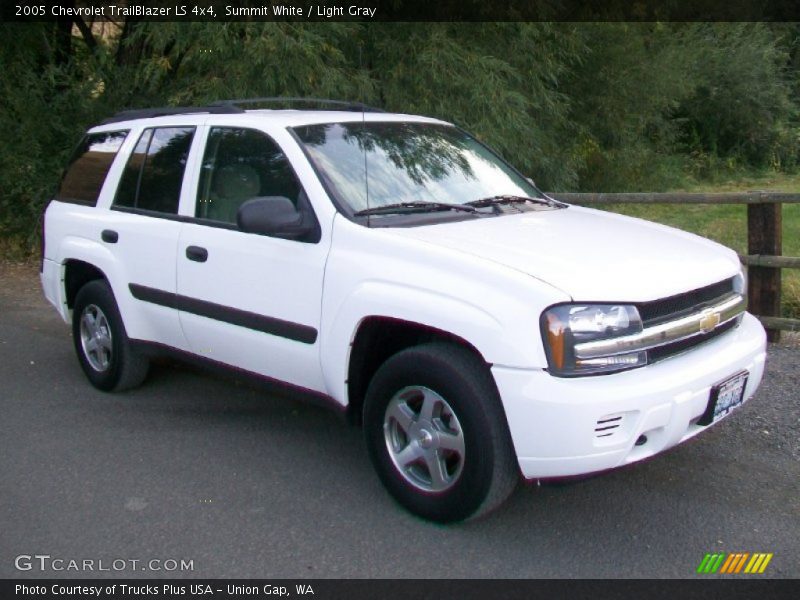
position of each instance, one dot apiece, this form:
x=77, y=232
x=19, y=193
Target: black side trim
x=267, y=384
x=207, y=222
x=78, y=201
x=169, y=216
x=242, y=318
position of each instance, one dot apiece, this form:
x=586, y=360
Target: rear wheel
x=437, y=434
x=104, y=351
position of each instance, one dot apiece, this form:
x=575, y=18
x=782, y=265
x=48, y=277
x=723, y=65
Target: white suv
x=397, y=269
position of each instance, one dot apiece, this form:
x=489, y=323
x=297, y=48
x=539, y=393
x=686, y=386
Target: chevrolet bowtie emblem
x=709, y=320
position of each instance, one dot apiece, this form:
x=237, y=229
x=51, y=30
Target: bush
x=589, y=106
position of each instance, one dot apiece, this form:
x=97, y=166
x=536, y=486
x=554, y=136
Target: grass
x=727, y=224
x=17, y=248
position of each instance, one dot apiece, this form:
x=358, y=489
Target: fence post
x=764, y=236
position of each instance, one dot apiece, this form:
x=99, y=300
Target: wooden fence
x=764, y=257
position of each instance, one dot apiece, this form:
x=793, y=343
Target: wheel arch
x=411, y=314
x=376, y=339
x=82, y=260
x=78, y=273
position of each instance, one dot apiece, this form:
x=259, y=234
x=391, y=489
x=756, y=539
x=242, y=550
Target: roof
x=283, y=117
x=231, y=111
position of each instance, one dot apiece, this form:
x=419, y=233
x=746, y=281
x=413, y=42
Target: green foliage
x=659, y=102
x=498, y=80
x=589, y=106
x=46, y=106
x=625, y=92
x=741, y=107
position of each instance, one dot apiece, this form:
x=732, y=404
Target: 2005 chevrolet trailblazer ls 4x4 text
x=394, y=266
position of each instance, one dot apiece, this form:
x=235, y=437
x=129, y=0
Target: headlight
x=566, y=325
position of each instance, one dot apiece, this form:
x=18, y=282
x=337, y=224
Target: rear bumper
x=553, y=421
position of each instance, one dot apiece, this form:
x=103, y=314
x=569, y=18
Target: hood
x=591, y=255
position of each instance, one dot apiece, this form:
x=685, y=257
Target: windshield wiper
x=510, y=199
x=409, y=207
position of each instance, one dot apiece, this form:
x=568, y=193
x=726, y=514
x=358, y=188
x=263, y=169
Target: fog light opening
x=642, y=440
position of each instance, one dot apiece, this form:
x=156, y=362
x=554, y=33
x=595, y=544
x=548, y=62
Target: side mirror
x=275, y=216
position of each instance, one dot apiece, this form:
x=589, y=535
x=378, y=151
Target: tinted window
x=240, y=164
x=154, y=173
x=129, y=182
x=89, y=166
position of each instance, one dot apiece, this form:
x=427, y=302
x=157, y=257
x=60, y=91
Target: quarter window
x=153, y=176
x=89, y=166
x=239, y=165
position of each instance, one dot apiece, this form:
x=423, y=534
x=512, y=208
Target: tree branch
x=86, y=33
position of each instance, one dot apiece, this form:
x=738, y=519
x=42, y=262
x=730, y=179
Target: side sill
x=263, y=383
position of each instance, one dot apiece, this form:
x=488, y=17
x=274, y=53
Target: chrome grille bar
x=704, y=321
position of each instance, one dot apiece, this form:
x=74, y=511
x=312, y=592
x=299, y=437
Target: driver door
x=250, y=300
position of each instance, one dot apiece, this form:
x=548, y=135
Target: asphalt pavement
x=204, y=469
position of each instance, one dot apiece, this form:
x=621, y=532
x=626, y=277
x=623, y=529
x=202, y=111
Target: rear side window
x=89, y=166
x=153, y=176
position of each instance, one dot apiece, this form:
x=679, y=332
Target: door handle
x=109, y=236
x=196, y=253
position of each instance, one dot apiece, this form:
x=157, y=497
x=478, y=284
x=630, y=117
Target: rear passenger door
x=144, y=228
x=250, y=300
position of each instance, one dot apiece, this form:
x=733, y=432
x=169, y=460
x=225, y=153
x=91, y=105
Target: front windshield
x=376, y=164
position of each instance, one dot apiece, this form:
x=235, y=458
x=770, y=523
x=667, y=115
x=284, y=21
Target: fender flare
x=418, y=306
x=90, y=252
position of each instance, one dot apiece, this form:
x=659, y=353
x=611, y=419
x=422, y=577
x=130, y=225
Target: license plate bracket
x=724, y=397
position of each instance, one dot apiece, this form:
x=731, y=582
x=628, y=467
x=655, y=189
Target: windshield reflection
x=374, y=164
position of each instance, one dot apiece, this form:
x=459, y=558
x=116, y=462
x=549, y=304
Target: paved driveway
x=200, y=468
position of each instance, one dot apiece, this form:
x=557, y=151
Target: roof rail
x=333, y=104
x=145, y=113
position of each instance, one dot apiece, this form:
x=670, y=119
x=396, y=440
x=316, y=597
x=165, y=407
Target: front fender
x=457, y=316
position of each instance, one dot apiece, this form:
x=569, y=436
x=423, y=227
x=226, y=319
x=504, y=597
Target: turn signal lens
x=555, y=335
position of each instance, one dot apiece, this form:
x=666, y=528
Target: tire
x=437, y=434
x=104, y=351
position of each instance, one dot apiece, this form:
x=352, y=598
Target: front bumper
x=563, y=427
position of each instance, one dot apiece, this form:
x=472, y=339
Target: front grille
x=662, y=352
x=680, y=305
x=674, y=307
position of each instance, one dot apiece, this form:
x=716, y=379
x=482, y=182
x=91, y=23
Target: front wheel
x=437, y=434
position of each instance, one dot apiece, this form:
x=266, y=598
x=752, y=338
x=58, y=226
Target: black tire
x=488, y=472
x=123, y=367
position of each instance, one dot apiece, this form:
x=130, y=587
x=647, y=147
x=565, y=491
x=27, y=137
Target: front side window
x=89, y=166
x=154, y=174
x=240, y=165
x=368, y=165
